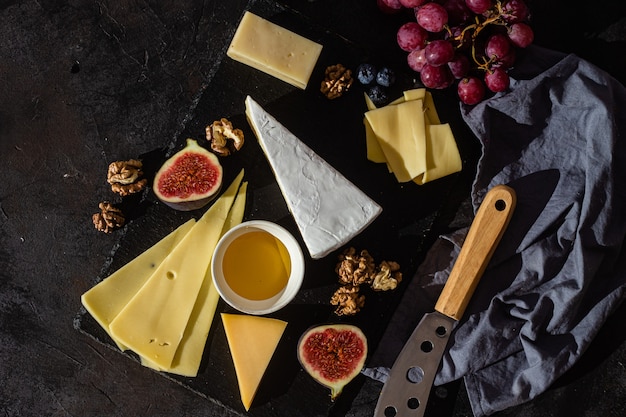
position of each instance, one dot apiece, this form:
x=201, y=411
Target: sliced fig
x=190, y=179
x=333, y=354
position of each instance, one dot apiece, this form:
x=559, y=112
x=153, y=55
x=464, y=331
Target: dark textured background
x=83, y=83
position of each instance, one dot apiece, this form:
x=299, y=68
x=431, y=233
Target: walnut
x=387, y=277
x=337, y=81
x=109, y=218
x=355, y=269
x=223, y=138
x=125, y=177
x=348, y=300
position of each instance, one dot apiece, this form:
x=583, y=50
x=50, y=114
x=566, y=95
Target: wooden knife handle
x=482, y=239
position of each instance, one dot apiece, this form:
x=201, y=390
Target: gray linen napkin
x=559, y=139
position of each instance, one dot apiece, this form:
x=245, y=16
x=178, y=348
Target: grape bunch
x=470, y=43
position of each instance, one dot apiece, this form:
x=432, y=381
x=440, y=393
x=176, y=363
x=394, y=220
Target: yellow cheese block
x=106, y=299
x=400, y=130
x=154, y=320
x=252, y=341
x=188, y=356
x=274, y=50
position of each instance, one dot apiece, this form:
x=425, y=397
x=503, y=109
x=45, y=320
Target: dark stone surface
x=84, y=83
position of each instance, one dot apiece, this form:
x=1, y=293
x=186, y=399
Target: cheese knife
x=406, y=391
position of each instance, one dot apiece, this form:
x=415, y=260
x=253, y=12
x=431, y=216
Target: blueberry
x=385, y=77
x=366, y=73
x=378, y=95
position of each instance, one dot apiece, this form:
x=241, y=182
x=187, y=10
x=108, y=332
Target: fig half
x=333, y=354
x=190, y=179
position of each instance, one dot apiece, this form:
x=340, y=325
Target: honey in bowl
x=256, y=265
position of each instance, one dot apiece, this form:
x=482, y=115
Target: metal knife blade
x=406, y=391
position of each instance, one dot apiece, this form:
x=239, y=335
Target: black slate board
x=334, y=129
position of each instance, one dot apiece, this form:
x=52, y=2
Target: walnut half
x=223, y=137
x=109, y=218
x=337, y=80
x=387, y=277
x=348, y=300
x=125, y=177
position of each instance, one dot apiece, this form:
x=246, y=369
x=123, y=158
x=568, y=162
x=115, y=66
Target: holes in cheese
x=274, y=50
x=408, y=136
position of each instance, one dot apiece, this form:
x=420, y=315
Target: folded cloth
x=559, y=139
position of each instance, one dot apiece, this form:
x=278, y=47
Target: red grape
x=479, y=6
x=498, y=46
x=515, y=11
x=389, y=6
x=459, y=66
x=521, y=35
x=416, y=59
x=471, y=90
x=432, y=17
x=411, y=36
x=506, y=61
x=439, y=52
x=497, y=80
x=436, y=77
x=458, y=12
x=409, y=4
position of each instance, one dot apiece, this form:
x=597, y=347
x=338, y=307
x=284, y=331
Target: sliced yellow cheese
x=154, y=320
x=188, y=356
x=400, y=130
x=252, y=341
x=274, y=50
x=106, y=299
x=442, y=155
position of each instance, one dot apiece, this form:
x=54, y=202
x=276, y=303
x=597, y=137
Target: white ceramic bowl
x=283, y=297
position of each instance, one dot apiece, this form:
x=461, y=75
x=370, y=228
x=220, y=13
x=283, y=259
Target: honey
x=256, y=265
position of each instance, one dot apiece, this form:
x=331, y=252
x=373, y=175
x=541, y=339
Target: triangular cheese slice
x=328, y=209
x=106, y=299
x=252, y=341
x=188, y=356
x=165, y=302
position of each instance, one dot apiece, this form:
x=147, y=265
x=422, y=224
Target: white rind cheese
x=328, y=209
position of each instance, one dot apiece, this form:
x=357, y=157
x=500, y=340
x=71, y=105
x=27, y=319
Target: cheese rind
x=328, y=209
x=106, y=299
x=154, y=320
x=252, y=341
x=274, y=50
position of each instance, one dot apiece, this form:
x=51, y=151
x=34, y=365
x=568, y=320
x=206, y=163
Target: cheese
x=442, y=155
x=274, y=50
x=106, y=299
x=154, y=320
x=328, y=209
x=400, y=130
x=408, y=136
x=188, y=356
x=252, y=341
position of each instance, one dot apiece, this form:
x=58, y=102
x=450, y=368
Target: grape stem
x=495, y=18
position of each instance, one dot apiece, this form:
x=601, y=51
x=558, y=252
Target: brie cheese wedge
x=328, y=209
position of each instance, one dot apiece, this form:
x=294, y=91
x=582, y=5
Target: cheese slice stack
x=328, y=209
x=166, y=293
x=408, y=136
x=252, y=341
x=274, y=50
